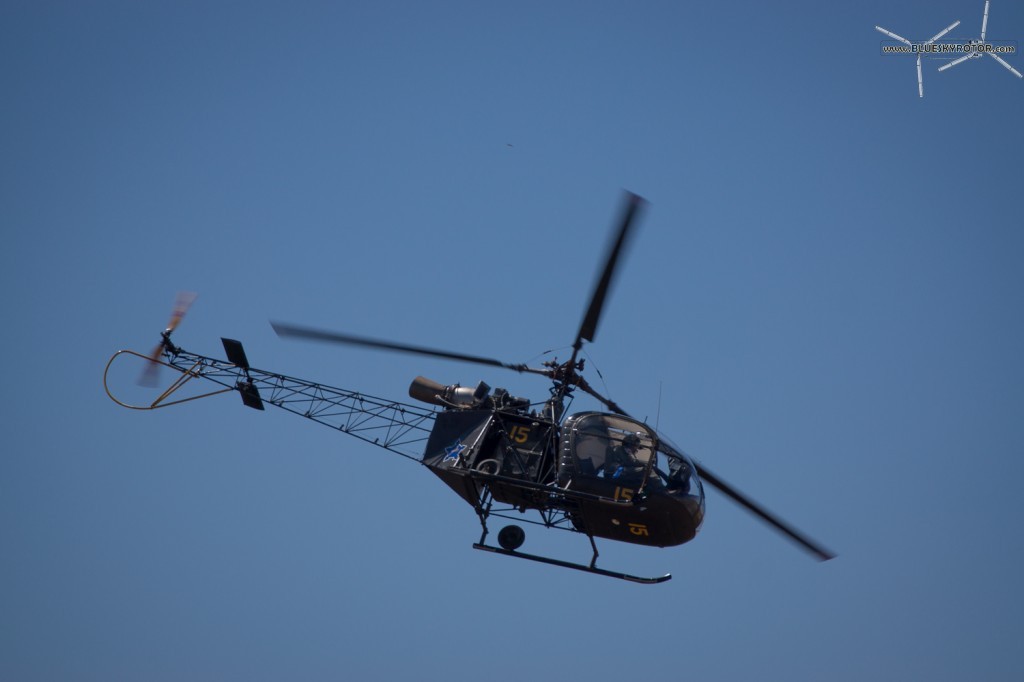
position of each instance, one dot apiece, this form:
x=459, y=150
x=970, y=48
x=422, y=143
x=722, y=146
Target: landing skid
x=568, y=564
x=511, y=538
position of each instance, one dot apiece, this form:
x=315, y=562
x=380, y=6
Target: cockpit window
x=677, y=471
x=613, y=448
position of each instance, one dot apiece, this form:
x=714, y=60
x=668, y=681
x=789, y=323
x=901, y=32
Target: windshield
x=611, y=447
x=678, y=474
x=622, y=460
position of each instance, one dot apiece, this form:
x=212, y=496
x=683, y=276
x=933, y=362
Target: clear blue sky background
x=826, y=291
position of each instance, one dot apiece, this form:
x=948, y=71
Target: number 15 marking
x=519, y=433
x=638, y=529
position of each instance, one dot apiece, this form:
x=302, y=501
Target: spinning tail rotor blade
x=151, y=372
x=817, y=550
x=999, y=59
x=181, y=305
x=293, y=331
x=588, y=328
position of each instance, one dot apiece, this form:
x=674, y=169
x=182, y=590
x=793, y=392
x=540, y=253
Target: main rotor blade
x=954, y=62
x=751, y=506
x=984, y=22
x=999, y=59
x=288, y=330
x=584, y=386
x=588, y=328
x=735, y=495
x=920, y=81
x=943, y=32
x=893, y=35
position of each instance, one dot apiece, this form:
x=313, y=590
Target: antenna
x=657, y=417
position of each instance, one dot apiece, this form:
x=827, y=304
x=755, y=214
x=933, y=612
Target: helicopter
x=603, y=474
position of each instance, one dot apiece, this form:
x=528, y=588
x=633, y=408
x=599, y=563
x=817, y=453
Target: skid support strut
x=483, y=511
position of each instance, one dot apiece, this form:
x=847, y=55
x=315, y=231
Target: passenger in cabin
x=621, y=463
x=679, y=476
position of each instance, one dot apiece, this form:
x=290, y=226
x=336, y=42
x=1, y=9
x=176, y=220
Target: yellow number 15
x=519, y=433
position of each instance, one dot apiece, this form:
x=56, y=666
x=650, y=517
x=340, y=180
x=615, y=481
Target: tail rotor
x=152, y=370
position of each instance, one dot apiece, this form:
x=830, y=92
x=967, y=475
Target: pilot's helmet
x=631, y=442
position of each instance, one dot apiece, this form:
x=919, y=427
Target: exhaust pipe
x=429, y=391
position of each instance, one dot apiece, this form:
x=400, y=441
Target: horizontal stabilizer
x=250, y=394
x=235, y=352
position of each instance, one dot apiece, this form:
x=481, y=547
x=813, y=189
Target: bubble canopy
x=623, y=460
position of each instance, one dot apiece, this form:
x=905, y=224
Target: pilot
x=679, y=476
x=621, y=464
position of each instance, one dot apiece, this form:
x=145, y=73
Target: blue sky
x=825, y=293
